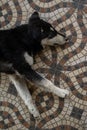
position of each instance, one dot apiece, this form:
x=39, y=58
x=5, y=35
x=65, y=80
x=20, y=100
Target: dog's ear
x=34, y=16
x=34, y=25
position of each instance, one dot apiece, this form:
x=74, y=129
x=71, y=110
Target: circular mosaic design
x=65, y=66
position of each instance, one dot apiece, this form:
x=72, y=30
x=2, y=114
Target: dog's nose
x=66, y=39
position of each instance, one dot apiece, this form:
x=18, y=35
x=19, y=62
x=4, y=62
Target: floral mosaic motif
x=65, y=66
x=10, y=14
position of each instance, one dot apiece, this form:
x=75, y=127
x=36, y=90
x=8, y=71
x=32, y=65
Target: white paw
x=38, y=118
x=36, y=114
x=63, y=93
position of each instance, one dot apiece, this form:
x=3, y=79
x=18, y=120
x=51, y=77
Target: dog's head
x=44, y=32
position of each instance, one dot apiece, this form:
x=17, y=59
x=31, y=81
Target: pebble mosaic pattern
x=65, y=66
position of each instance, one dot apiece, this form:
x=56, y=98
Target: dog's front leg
x=50, y=87
x=24, y=93
x=26, y=70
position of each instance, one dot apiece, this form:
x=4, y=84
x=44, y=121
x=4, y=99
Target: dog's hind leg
x=25, y=69
x=24, y=93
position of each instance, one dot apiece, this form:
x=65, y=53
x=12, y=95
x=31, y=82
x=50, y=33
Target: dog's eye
x=51, y=35
x=53, y=30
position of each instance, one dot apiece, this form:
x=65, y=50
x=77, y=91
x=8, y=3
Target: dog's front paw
x=63, y=93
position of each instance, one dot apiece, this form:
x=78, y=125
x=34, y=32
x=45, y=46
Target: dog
x=18, y=47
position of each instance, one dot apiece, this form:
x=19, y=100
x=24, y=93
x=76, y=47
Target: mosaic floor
x=65, y=66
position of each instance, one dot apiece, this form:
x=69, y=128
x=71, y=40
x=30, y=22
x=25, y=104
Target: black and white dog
x=18, y=46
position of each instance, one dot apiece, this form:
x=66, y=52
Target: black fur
x=25, y=38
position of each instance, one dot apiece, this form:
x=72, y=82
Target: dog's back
x=30, y=38
x=11, y=43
